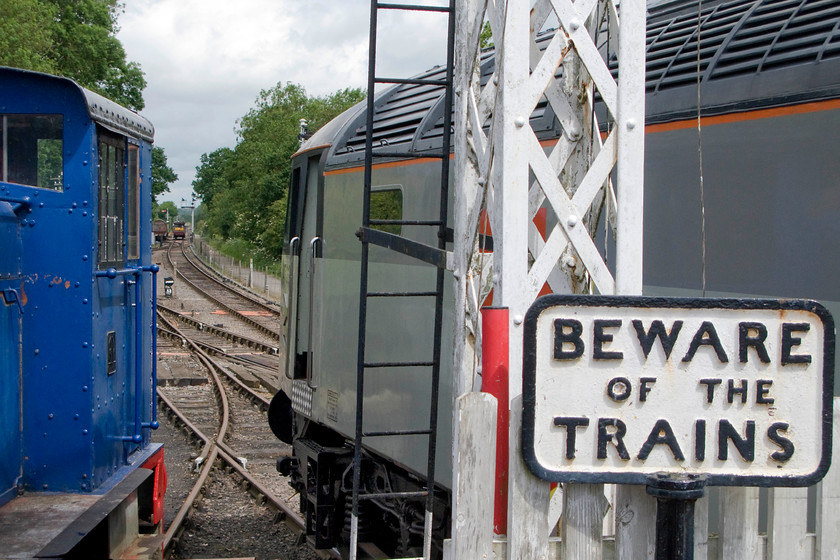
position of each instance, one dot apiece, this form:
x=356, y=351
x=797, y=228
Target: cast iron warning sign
x=616, y=389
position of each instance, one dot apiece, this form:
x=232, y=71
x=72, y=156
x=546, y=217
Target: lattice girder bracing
x=503, y=168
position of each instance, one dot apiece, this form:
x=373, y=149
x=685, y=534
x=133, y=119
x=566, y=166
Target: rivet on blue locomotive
x=76, y=323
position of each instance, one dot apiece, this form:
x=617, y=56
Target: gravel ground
x=229, y=524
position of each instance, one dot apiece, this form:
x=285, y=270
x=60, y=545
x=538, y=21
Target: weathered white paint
x=472, y=527
x=495, y=171
x=787, y=513
x=738, y=520
x=828, y=505
x=701, y=528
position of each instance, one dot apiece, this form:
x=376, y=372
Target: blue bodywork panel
x=10, y=287
x=79, y=404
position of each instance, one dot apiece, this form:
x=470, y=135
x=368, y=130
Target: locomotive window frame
x=132, y=197
x=112, y=178
x=32, y=150
x=383, y=209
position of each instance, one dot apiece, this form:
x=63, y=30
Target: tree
x=210, y=175
x=26, y=28
x=166, y=210
x=74, y=38
x=245, y=188
x=486, y=36
x=162, y=174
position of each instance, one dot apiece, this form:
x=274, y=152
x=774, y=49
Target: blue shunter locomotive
x=79, y=476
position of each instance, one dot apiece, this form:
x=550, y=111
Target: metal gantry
x=433, y=256
x=501, y=166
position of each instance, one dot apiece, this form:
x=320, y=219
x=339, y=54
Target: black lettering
x=605, y=437
x=599, y=337
x=661, y=433
x=745, y=340
x=706, y=335
x=710, y=388
x=745, y=445
x=733, y=390
x=783, y=442
x=788, y=342
x=700, y=440
x=657, y=329
x=762, y=388
x=643, y=387
x=571, y=424
x=619, y=389
x=561, y=338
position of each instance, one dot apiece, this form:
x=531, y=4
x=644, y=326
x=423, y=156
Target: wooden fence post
x=473, y=527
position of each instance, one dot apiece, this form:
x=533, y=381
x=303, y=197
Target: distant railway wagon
x=79, y=475
x=179, y=230
x=769, y=75
x=160, y=230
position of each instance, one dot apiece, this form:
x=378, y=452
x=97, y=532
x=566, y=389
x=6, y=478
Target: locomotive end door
x=305, y=245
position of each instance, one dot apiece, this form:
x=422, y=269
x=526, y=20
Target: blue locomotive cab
x=76, y=321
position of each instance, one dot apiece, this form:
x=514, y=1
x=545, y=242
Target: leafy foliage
x=162, y=174
x=166, y=210
x=74, y=38
x=486, y=36
x=244, y=189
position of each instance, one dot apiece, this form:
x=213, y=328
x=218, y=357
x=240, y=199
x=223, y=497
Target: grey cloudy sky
x=207, y=60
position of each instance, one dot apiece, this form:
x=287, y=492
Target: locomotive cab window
x=386, y=203
x=133, y=202
x=112, y=173
x=31, y=150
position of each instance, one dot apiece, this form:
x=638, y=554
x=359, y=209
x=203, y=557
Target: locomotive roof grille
x=753, y=53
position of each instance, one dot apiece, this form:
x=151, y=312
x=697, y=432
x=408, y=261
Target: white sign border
x=529, y=366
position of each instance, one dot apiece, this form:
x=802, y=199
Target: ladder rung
x=382, y=495
x=398, y=433
x=373, y=365
x=412, y=155
x=412, y=7
x=402, y=294
x=405, y=222
x=411, y=81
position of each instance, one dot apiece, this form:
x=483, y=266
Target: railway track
x=259, y=315
x=221, y=407
x=226, y=420
x=218, y=395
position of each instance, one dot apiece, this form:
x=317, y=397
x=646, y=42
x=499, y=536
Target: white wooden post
x=787, y=513
x=473, y=526
x=636, y=532
x=738, y=522
x=828, y=503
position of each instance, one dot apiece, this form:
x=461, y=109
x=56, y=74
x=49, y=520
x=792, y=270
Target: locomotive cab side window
x=386, y=203
x=31, y=150
x=132, y=196
x=112, y=172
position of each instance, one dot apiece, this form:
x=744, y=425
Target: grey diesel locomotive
x=769, y=85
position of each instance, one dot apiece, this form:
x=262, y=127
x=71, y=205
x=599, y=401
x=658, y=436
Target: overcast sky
x=207, y=60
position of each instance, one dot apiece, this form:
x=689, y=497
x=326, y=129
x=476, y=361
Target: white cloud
x=206, y=60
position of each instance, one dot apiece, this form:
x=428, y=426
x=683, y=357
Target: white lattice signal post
x=502, y=167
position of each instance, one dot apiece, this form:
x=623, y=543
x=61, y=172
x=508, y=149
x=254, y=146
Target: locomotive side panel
x=772, y=196
x=56, y=264
x=396, y=398
x=10, y=279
